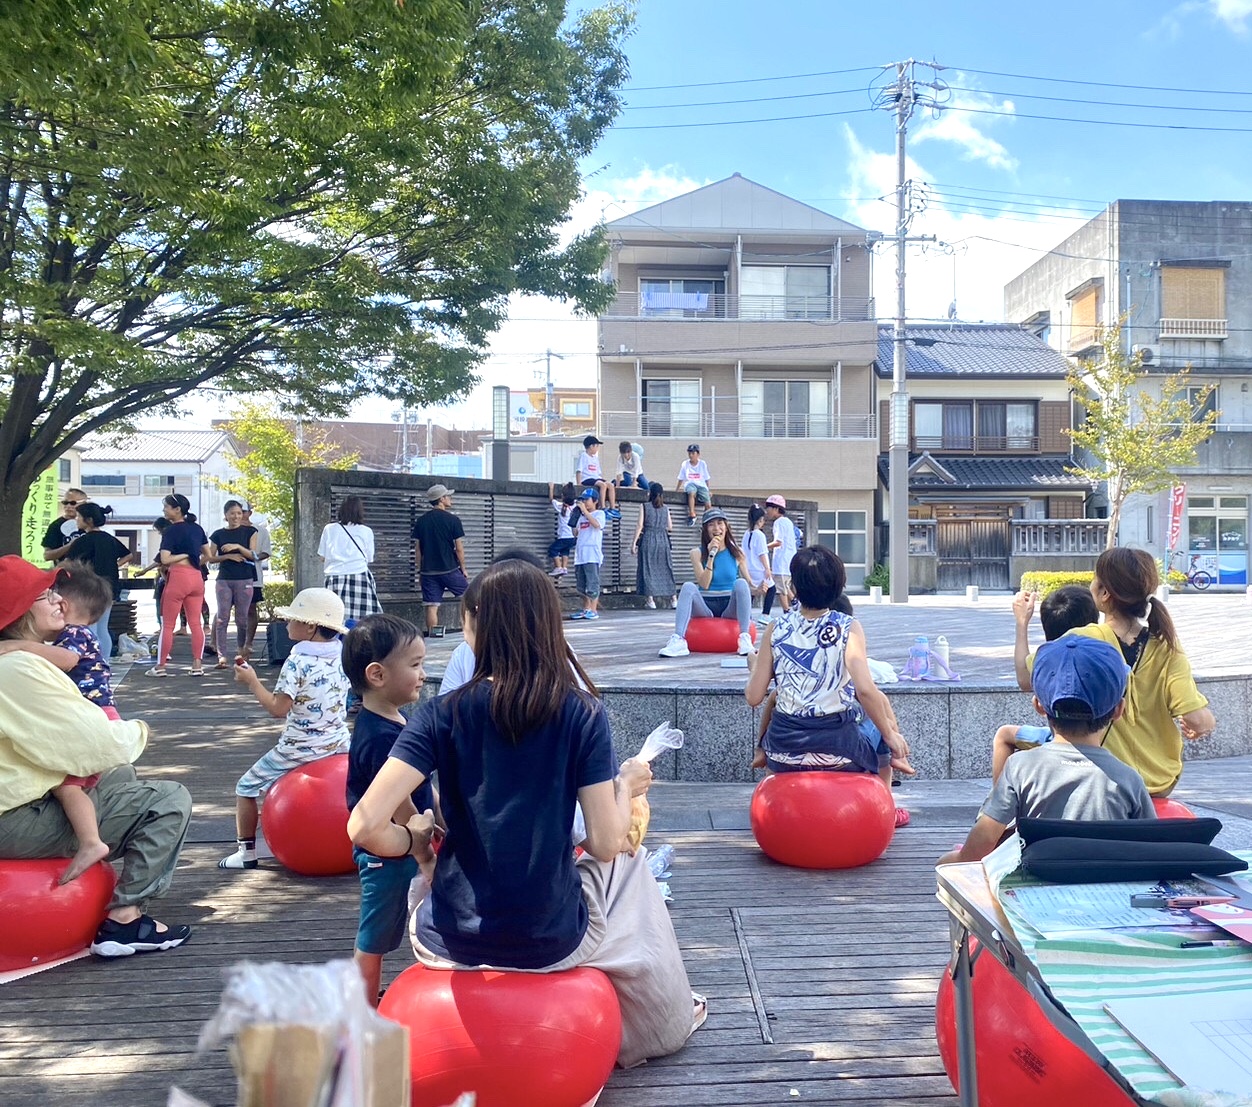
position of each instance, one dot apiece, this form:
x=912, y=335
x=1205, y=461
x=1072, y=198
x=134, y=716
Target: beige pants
x=631, y=940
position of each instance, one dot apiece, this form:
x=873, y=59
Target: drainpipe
x=837, y=313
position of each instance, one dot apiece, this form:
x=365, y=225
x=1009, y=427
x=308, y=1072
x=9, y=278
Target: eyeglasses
x=52, y=596
x=72, y=503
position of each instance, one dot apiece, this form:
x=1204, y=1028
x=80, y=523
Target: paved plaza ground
x=821, y=985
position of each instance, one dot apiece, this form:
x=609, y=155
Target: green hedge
x=1043, y=582
x=277, y=593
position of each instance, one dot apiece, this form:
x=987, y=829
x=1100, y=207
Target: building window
x=785, y=292
x=845, y=533
x=785, y=409
x=575, y=409
x=682, y=297
x=1201, y=406
x=65, y=471
x=1193, y=301
x=111, y=484
x=158, y=486
x=1006, y=426
x=1085, y=314
x=671, y=409
x=943, y=426
x=1217, y=537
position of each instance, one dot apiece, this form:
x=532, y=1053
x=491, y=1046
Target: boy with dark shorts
x=382, y=656
x=439, y=554
x=1059, y=612
x=588, y=554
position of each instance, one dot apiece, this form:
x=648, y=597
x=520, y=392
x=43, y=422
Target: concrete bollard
x=971, y=593
x=1162, y=593
x=875, y=593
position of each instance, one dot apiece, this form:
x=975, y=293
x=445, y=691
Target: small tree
x=1138, y=441
x=273, y=449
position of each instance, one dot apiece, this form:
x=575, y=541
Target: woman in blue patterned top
x=817, y=658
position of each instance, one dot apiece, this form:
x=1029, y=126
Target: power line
x=1100, y=103
x=747, y=100
x=755, y=80
x=738, y=122
x=1104, y=84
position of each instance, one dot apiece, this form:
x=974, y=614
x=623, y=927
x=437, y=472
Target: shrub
x=1175, y=578
x=879, y=576
x=278, y=593
x=1043, y=582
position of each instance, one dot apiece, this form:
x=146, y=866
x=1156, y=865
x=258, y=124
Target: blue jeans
x=627, y=480
x=101, y=631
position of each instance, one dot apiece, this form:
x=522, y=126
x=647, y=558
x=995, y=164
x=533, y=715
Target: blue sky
x=1001, y=186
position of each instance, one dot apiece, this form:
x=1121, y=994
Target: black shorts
x=257, y=595
x=434, y=585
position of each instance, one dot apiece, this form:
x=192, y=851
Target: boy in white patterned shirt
x=311, y=694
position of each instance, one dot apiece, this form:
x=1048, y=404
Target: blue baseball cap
x=589, y=494
x=1076, y=677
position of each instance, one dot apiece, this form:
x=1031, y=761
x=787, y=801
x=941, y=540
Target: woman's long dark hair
x=1130, y=577
x=520, y=647
x=656, y=493
x=731, y=544
x=178, y=500
x=94, y=514
x=351, y=510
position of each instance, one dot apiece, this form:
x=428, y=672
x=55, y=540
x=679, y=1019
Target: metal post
x=898, y=457
x=963, y=1010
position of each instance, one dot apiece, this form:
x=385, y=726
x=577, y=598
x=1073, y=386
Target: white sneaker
x=675, y=647
x=240, y=859
x=745, y=645
x=650, y=603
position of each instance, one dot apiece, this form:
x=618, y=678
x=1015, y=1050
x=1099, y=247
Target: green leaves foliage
x=1137, y=438
x=310, y=199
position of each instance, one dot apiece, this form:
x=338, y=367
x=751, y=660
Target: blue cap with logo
x=1076, y=677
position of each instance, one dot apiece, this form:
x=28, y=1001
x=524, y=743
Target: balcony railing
x=1191, y=328
x=1060, y=536
x=712, y=306
x=978, y=444
x=675, y=424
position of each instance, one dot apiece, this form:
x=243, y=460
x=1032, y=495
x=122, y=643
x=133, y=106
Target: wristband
x=410, y=834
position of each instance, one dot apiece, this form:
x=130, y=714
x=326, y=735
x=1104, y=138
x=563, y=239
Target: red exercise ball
x=1167, y=808
x=305, y=818
x=43, y=920
x=823, y=820
x=1023, y=1059
x=715, y=635
x=513, y=1039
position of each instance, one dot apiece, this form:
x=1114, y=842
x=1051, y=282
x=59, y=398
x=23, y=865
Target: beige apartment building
x=744, y=322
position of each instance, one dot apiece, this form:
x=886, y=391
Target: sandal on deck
x=199, y=672
x=158, y=671
x=902, y=817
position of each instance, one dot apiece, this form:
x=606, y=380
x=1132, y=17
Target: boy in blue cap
x=1079, y=690
x=588, y=553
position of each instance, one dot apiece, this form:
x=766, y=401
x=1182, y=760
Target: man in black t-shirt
x=62, y=532
x=439, y=553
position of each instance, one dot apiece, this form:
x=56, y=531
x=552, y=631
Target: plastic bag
x=664, y=737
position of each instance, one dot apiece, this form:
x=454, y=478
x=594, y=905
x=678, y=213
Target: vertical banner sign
x=40, y=510
x=1177, y=498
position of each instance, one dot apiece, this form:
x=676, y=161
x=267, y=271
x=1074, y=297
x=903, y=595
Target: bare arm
x=762, y=665
x=606, y=808
x=1199, y=723
x=459, y=546
x=1023, y=611
x=277, y=704
x=703, y=576
x=983, y=837
x=876, y=705
x=62, y=658
x=370, y=824
x=639, y=527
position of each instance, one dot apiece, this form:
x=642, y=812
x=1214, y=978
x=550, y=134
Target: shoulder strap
x=353, y=540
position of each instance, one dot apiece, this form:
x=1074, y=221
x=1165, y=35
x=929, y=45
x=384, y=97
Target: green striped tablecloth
x=1086, y=971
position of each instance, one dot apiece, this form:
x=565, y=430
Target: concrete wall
x=803, y=340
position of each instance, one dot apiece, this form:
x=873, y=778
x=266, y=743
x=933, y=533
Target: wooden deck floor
x=821, y=985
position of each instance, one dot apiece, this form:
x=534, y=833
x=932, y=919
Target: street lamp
x=500, y=432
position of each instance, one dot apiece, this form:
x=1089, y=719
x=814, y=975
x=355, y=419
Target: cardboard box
x=282, y=1065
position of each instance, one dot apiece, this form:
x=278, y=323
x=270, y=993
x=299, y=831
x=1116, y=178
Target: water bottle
x=941, y=650
x=919, y=657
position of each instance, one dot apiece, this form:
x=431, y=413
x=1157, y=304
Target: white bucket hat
x=319, y=606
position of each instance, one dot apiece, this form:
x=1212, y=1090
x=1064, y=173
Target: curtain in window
x=958, y=427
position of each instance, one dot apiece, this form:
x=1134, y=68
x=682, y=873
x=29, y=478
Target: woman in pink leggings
x=183, y=544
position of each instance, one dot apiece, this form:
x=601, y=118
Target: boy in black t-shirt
x=382, y=656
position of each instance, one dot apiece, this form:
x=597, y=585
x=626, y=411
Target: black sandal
x=115, y=939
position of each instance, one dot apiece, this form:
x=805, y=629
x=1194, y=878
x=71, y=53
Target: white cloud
x=961, y=128
x=1234, y=13
x=983, y=251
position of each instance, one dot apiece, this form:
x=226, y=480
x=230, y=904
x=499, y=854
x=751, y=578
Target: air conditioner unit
x=1148, y=354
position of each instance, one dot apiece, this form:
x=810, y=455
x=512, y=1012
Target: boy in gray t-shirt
x=1079, y=689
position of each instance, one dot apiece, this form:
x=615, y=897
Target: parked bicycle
x=1197, y=578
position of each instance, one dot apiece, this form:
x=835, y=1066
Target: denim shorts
x=701, y=491
x=384, y=900
x=1028, y=737
x=587, y=580
x=434, y=585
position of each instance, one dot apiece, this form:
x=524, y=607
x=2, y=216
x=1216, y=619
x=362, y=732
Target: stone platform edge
x=949, y=727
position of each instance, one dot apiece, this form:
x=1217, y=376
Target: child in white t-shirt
x=588, y=554
x=693, y=478
x=564, y=541
x=591, y=475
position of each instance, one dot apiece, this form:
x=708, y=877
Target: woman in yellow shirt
x=1161, y=688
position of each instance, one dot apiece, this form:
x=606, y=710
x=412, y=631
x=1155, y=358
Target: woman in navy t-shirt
x=183, y=544
x=514, y=748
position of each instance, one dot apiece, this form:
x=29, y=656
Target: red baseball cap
x=21, y=583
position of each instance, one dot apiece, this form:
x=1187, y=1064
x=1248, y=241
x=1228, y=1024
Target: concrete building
x=1181, y=274
x=744, y=322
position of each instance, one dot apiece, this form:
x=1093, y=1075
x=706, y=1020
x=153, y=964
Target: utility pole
x=549, y=411
x=904, y=96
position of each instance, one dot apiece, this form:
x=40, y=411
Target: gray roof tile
x=972, y=350
x=1007, y=473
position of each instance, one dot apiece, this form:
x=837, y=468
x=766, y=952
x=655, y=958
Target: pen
x=1201, y=945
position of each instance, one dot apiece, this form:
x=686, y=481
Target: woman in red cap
x=45, y=722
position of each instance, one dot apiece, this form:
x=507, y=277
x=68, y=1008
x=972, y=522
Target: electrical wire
x=754, y=80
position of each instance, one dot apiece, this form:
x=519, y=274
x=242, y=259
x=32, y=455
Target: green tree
x=1137, y=438
x=313, y=200
x=272, y=449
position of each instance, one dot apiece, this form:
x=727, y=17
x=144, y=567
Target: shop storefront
x=1217, y=537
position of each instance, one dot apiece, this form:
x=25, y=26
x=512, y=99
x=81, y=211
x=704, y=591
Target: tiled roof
x=155, y=445
x=971, y=350
x=1009, y=474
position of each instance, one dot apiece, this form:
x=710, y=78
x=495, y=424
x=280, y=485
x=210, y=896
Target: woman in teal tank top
x=721, y=589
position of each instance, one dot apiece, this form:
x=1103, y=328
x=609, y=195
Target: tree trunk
x=1115, y=517
x=13, y=495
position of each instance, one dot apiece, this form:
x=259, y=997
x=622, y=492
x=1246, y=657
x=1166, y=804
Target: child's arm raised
x=876, y=705
x=277, y=704
x=1023, y=612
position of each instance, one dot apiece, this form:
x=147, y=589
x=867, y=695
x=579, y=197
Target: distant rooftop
x=154, y=445
x=971, y=350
